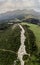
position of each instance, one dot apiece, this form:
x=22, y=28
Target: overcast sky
x=9, y=5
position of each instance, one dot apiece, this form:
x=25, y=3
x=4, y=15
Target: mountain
x=20, y=14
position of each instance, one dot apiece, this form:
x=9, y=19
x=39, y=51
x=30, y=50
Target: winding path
x=5, y=50
x=22, y=50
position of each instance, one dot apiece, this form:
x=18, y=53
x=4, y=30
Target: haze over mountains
x=20, y=14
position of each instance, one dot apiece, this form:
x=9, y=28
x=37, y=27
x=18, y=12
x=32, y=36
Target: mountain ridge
x=19, y=13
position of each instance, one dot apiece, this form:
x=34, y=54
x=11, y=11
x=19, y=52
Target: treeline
x=32, y=20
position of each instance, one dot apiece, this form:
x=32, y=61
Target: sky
x=10, y=5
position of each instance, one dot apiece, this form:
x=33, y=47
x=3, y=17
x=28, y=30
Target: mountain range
x=20, y=14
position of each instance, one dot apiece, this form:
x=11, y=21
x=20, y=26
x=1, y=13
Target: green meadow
x=36, y=31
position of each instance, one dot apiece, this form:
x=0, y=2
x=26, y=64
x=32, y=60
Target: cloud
x=8, y=5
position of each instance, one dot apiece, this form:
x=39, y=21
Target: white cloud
x=8, y=5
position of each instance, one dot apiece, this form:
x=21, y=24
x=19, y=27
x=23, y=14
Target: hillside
x=20, y=44
x=32, y=43
x=9, y=45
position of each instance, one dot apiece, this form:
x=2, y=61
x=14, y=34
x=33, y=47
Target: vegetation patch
x=25, y=57
x=9, y=45
x=31, y=47
x=17, y=62
x=30, y=41
x=36, y=31
x=10, y=39
x=7, y=58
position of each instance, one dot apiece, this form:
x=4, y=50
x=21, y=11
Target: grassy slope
x=32, y=31
x=9, y=40
x=36, y=31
